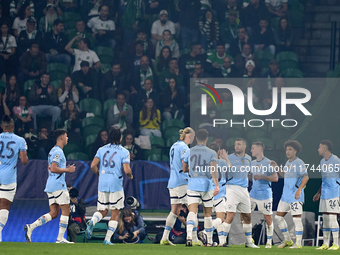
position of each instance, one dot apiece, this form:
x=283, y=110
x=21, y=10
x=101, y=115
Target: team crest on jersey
x=103, y=171
x=184, y=151
x=56, y=158
x=242, y=160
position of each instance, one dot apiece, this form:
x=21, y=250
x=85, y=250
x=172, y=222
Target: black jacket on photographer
x=77, y=213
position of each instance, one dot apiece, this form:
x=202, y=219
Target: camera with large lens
x=133, y=203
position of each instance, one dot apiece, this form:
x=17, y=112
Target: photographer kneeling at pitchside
x=130, y=227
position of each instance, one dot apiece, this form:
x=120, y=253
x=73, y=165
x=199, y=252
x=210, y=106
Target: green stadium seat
x=71, y=16
x=292, y=73
x=234, y=132
x=171, y=140
x=97, y=121
x=154, y=157
x=279, y=143
x=56, y=83
x=77, y=156
x=275, y=22
x=105, y=54
x=91, y=130
x=172, y=131
x=107, y=104
x=280, y=133
x=287, y=59
x=264, y=56
x=173, y=123
x=154, y=150
x=89, y=140
x=91, y=105
x=268, y=143
x=254, y=133
x=72, y=147
x=165, y=158
x=155, y=140
x=28, y=84
x=105, y=67
x=57, y=71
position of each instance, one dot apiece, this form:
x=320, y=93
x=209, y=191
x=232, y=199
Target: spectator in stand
x=83, y=53
x=167, y=41
x=160, y=25
x=237, y=44
x=283, y=36
x=101, y=140
x=56, y=4
x=188, y=20
x=242, y=58
x=3, y=105
x=43, y=99
x=129, y=144
x=139, y=77
x=43, y=144
x=23, y=114
x=172, y=102
x=250, y=70
x=8, y=45
x=199, y=72
x=29, y=36
x=87, y=81
x=150, y=119
x=20, y=22
x=227, y=70
x=81, y=31
x=215, y=60
x=67, y=91
x=162, y=62
x=264, y=37
x=229, y=29
x=94, y=8
x=187, y=62
x=171, y=72
x=273, y=71
x=210, y=30
x=46, y=23
x=148, y=48
x=153, y=7
x=113, y=82
x=144, y=94
x=225, y=8
x=120, y=115
x=277, y=8
x=71, y=120
x=15, y=6
x=12, y=92
x=103, y=29
x=133, y=62
x=33, y=63
x=55, y=42
x=252, y=14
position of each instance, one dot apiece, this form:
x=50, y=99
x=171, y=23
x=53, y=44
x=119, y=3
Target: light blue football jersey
x=261, y=189
x=10, y=146
x=177, y=177
x=294, y=172
x=199, y=158
x=112, y=157
x=330, y=177
x=238, y=174
x=56, y=181
x=222, y=181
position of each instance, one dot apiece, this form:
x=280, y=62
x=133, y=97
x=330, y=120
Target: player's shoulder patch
x=56, y=158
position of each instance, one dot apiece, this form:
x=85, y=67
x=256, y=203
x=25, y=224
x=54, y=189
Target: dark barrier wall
x=149, y=184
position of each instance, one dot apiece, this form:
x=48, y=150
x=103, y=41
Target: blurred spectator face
x=283, y=24
x=246, y=50
x=250, y=68
x=139, y=49
x=241, y=33
x=232, y=2
x=148, y=85
x=273, y=67
x=165, y=53
x=70, y=106
x=173, y=64
x=45, y=79
x=128, y=139
x=208, y=15
x=104, y=12
x=226, y=96
x=197, y=49
x=28, y=11
x=232, y=19
x=149, y=104
x=209, y=103
x=85, y=69
x=144, y=63
x=172, y=83
x=120, y=100
x=34, y=50
x=43, y=133
x=4, y=29
x=128, y=219
x=141, y=36
x=226, y=62
x=68, y=83
x=115, y=69
x=263, y=23
x=82, y=46
x=59, y=27
x=31, y=26
x=220, y=50
x=167, y=35
x=163, y=18
x=198, y=69
x=80, y=26
x=22, y=101
x=104, y=136
x=12, y=81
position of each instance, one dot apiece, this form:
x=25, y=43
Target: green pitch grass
x=139, y=249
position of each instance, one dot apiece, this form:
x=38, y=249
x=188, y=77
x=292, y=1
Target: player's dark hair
x=214, y=146
x=7, y=122
x=202, y=134
x=241, y=140
x=328, y=143
x=59, y=132
x=293, y=143
x=114, y=135
x=259, y=144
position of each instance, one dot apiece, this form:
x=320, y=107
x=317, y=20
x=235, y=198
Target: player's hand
x=316, y=197
x=297, y=194
x=257, y=177
x=71, y=168
x=216, y=191
x=130, y=176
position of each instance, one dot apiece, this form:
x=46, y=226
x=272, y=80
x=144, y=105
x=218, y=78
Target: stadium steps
x=314, y=48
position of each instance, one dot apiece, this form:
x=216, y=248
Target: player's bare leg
x=4, y=211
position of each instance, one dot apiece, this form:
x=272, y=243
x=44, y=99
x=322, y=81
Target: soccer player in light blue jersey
x=220, y=207
x=178, y=182
x=292, y=199
x=261, y=194
x=200, y=161
x=329, y=195
x=11, y=146
x=56, y=189
x=107, y=164
x=237, y=191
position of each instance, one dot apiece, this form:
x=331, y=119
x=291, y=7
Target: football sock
x=62, y=226
x=270, y=230
x=208, y=226
x=220, y=232
x=112, y=226
x=226, y=229
x=247, y=231
x=194, y=230
x=42, y=220
x=298, y=230
x=190, y=224
x=326, y=229
x=335, y=228
x=169, y=224
x=97, y=216
x=283, y=227
x=3, y=218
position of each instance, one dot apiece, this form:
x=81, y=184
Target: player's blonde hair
x=184, y=132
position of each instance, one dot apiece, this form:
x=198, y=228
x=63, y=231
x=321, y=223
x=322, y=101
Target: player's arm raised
x=94, y=165
x=214, y=175
x=127, y=170
x=57, y=170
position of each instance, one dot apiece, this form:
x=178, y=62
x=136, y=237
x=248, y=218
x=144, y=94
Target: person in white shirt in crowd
x=167, y=41
x=20, y=22
x=160, y=25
